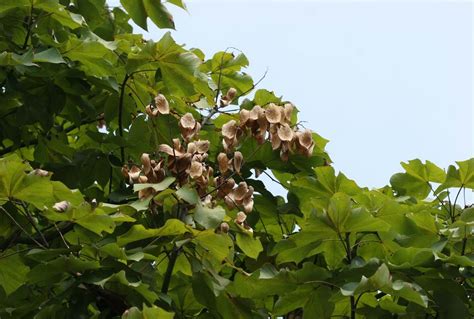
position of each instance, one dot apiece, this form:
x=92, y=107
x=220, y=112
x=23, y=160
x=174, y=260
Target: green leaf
x=406, y=184
x=264, y=97
x=157, y=186
x=147, y=313
x=218, y=245
x=319, y=304
x=466, y=173
x=136, y=10
x=59, y=13
x=158, y=14
x=378, y=281
x=6, y=5
x=172, y=227
x=50, y=55
x=362, y=221
x=209, y=217
x=12, y=271
x=251, y=246
x=339, y=210
x=97, y=223
x=188, y=194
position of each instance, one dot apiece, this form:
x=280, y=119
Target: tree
x=129, y=188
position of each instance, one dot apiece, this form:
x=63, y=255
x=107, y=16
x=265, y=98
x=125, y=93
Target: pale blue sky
x=383, y=81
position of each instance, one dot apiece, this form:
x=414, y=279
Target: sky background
x=383, y=81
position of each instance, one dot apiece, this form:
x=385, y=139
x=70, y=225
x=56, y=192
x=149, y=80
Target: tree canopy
x=129, y=188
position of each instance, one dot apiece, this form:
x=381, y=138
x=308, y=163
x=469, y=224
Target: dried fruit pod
x=223, y=162
x=254, y=112
x=288, y=111
x=146, y=162
x=244, y=116
x=275, y=140
x=240, y=191
x=195, y=170
x=134, y=173
x=273, y=113
x=224, y=228
x=161, y=104
x=231, y=93
x=237, y=161
x=285, y=133
x=229, y=129
x=202, y=146
x=241, y=217
x=61, y=206
x=40, y=172
x=142, y=179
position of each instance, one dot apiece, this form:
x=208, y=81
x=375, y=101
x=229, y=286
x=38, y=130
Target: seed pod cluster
x=272, y=123
x=186, y=158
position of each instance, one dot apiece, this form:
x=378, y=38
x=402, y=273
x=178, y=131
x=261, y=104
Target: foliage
x=129, y=188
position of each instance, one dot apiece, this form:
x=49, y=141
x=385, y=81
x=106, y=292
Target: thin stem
x=254, y=85
x=353, y=307
x=273, y=179
x=120, y=115
x=220, y=77
x=169, y=270
x=21, y=227
x=32, y=222
x=439, y=199
x=28, y=28
x=455, y=201
x=464, y=244
x=61, y=235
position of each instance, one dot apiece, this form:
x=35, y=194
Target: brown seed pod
x=288, y=111
x=61, y=206
x=145, y=159
x=223, y=162
x=273, y=113
x=195, y=170
x=244, y=116
x=241, y=217
x=134, y=173
x=229, y=129
x=240, y=191
x=285, y=133
x=202, y=146
x=162, y=104
x=237, y=161
x=40, y=172
x=224, y=228
x=231, y=93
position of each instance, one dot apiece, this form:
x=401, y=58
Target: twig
x=254, y=85
x=32, y=222
x=28, y=28
x=21, y=227
x=120, y=116
x=437, y=197
x=61, y=235
x=169, y=270
x=273, y=179
x=455, y=201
